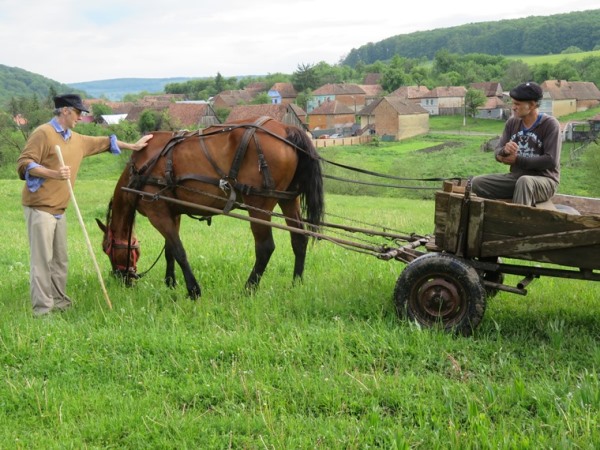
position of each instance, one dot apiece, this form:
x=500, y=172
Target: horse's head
x=122, y=253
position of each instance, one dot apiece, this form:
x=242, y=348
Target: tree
x=12, y=139
x=306, y=77
x=444, y=62
x=566, y=70
x=393, y=78
x=474, y=98
x=589, y=69
x=219, y=82
x=261, y=99
x=303, y=98
x=449, y=79
x=222, y=113
x=23, y=115
x=150, y=120
x=516, y=72
x=540, y=72
x=419, y=75
x=100, y=109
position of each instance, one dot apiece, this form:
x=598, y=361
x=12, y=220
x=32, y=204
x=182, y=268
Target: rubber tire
x=439, y=289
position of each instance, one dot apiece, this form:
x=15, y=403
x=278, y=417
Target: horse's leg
x=291, y=211
x=169, y=228
x=180, y=256
x=264, y=246
x=170, y=260
x=170, y=280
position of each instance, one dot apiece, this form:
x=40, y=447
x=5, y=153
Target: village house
x=494, y=107
x=282, y=93
x=444, y=100
x=372, y=92
x=257, y=87
x=192, y=115
x=115, y=107
x=372, y=78
x=366, y=117
x=290, y=114
x=331, y=117
x=412, y=93
x=397, y=119
x=112, y=119
x=160, y=99
x=348, y=94
x=489, y=88
x=566, y=97
x=231, y=98
x=180, y=115
x=556, y=100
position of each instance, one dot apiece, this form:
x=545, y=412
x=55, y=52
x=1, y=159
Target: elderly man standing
x=46, y=195
x=530, y=145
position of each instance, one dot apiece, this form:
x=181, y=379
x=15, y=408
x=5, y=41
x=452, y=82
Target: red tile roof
x=339, y=89
x=332, y=108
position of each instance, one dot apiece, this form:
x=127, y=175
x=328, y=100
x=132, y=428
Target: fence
x=350, y=140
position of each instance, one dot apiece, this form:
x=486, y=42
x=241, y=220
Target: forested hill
x=536, y=35
x=15, y=82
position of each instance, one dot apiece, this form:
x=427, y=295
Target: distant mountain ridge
x=116, y=88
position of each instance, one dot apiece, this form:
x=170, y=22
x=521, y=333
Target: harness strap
x=263, y=167
x=227, y=182
x=210, y=159
x=243, y=146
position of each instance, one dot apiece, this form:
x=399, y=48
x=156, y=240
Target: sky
x=74, y=41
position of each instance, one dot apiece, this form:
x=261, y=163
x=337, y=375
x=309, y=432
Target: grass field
x=532, y=60
x=321, y=364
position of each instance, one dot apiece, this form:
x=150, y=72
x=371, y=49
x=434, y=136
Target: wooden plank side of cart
x=501, y=229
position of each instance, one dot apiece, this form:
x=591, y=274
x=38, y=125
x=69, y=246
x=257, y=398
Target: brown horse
x=254, y=165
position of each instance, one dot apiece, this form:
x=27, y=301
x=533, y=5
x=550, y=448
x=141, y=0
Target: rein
x=228, y=128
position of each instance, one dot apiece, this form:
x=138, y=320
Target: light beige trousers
x=525, y=190
x=48, y=261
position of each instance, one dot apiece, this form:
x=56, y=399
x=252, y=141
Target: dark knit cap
x=529, y=91
x=70, y=100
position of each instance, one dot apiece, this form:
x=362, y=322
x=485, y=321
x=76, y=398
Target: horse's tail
x=308, y=178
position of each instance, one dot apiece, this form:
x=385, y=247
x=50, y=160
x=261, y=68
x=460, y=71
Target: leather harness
x=227, y=181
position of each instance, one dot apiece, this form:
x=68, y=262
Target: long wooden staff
x=87, y=238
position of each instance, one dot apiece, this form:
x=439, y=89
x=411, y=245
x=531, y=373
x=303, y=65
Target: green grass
x=322, y=364
x=460, y=125
x=554, y=59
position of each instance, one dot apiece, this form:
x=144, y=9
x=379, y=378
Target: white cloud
x=71, y=41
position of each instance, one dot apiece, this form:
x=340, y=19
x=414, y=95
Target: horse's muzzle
x=127, y=276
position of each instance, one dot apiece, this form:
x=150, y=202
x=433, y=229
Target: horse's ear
x=102, y=226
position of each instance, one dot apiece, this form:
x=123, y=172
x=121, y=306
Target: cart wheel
x=494, y=277
x=438, y=288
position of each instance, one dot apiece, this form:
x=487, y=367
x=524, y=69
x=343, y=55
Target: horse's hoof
x=195, y=294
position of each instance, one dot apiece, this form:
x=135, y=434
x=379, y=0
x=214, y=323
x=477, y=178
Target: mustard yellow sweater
x=53, y=195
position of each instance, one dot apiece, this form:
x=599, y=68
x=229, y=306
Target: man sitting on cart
x=530, y=145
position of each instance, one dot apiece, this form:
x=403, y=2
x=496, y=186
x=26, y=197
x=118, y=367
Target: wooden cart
x=465, y=260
